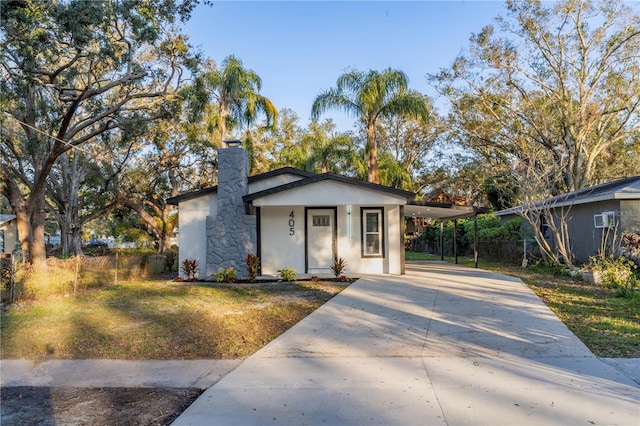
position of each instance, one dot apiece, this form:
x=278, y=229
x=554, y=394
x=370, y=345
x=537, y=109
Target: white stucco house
x=289, y=217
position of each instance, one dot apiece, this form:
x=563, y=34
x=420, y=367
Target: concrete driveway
x=443, y=344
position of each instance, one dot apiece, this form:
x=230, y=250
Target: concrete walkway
x=443, y=344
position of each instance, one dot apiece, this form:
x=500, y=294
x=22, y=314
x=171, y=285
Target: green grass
x=411, y=255
x=608, y=325
x=158, y=320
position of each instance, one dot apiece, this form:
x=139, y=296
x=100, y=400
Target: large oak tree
x=561, y=80
x=72, y=71
x=545, y=96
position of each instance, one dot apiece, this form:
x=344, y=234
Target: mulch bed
x=42, y=406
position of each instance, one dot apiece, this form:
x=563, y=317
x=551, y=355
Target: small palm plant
x=226, y=275
x=190, y=268
x=338, y=267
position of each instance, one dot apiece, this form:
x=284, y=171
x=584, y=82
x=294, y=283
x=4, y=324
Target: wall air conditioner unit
x=604, y=220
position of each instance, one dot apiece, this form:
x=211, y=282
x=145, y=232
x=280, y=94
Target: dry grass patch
x=154, y=319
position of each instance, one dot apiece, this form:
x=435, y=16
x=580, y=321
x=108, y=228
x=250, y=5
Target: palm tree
x=235, y=92
x=370, y=96
x=326, y=150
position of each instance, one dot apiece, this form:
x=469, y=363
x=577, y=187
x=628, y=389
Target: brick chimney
x=231, y=234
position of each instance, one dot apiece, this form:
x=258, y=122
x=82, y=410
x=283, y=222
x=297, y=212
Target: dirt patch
x=93, y=406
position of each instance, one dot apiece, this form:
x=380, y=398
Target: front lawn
x=608, y=325
x=157, y=319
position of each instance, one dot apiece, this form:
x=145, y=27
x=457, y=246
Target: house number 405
x=292, y=223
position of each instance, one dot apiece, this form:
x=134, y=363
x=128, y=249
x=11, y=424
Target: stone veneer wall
x=231, y=234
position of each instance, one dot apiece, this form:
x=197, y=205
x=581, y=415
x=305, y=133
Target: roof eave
x=6, y=218
x=623, y=189
x=249, y=198
x=255, y=178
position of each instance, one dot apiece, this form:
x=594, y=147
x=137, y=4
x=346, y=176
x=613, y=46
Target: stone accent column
x=231, y=234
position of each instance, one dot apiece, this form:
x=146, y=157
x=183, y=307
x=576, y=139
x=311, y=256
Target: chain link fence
x=505, y=251
x=8, y=266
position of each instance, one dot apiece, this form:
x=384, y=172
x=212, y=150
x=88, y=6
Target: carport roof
x=442, y=211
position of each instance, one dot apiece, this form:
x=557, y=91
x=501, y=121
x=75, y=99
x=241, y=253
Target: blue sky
x=299, y=48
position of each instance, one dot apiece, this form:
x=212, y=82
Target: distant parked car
x=97, y=243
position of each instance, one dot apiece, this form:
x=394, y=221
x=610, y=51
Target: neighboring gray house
x=8, y=233
x=594, y=212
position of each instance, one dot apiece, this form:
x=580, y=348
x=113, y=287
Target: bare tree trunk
x=30, y=220
x=372, y=153
x=38, y=250
x=74, y=176
x=223, y=125
x=164, y=242
x=65, y=194
x=19, y=206
x=544, y=218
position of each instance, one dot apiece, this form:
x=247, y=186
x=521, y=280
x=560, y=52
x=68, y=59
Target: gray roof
x=214, y=189
x=4, y=218
x=623, y=189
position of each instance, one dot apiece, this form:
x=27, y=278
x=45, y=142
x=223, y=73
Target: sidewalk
x=444, y=344
x=199, y=374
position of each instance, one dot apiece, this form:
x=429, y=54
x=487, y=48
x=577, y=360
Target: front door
x=321, y=231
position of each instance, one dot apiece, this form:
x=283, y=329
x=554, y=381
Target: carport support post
x=455, y=239
x=475, y=241
x=442, y=240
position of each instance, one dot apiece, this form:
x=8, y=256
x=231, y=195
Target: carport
x=447, y=212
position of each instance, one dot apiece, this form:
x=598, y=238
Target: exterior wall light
x=232, y=143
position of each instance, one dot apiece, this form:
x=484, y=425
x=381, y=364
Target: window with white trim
x=372, y=232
